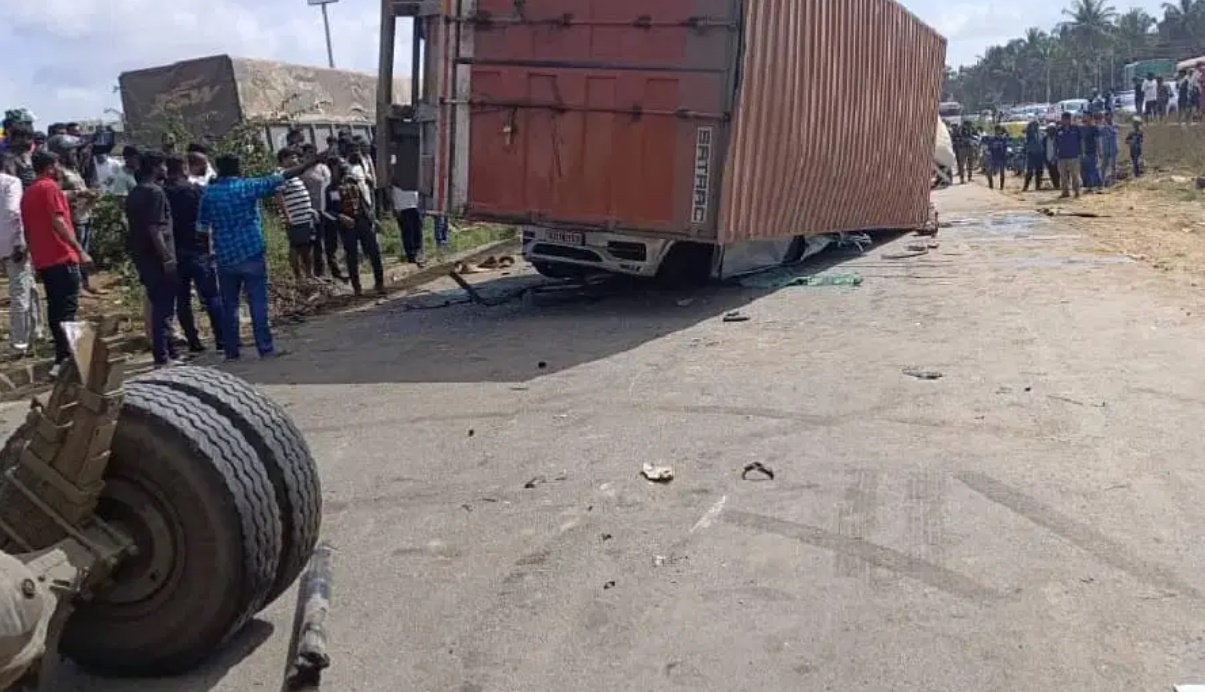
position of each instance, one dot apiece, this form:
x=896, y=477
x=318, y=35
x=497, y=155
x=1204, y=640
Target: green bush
x=107, y=244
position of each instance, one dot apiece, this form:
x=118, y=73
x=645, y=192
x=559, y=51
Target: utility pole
x=326, y=24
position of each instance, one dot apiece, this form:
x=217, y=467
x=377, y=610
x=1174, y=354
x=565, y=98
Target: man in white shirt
x=1150, y=96
x=410, y=221
x=106, y=167
x=200, y=171
x=317, y=181
x=120, y=180
x=25, y=309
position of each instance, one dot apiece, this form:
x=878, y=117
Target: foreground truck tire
x=279, y=446
x=192, y=492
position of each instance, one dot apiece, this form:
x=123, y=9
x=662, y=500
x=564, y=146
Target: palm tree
x=1133, y=34
x=1090, y=22
x=1179, y=18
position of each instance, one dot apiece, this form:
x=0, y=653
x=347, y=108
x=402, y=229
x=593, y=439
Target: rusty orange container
x=711, y=120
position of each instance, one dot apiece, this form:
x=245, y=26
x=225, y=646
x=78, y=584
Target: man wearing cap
x=26, y=606
x=20, y=145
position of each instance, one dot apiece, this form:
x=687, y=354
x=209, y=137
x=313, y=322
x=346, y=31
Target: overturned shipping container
x=210, y=95
x=618, y=132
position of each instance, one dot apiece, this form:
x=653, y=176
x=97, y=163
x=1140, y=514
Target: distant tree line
x=1087, y=50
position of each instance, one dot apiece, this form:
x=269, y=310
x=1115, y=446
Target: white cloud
x=73, y=50
x=972, y=26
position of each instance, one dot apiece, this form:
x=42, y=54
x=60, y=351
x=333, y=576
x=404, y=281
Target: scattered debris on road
x=849, y=279
x=736, y=316
x=921, y=252
x=606, y=537
x=785, y=279
x=609, y=585
x=766, y=473
x=493, y=262
x=657, y=474
x=540, y=480
x=923, y=374
x=308, y=656
x=541, y=365
x=1075, y=402
x=1047, y=211
x=472, y=432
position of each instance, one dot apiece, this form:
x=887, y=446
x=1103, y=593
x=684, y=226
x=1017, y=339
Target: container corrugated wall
x=834, y=123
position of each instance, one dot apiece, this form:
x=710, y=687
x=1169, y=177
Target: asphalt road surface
x=1028, y=521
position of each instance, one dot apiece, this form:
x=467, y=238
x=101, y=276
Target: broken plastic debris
x=736, y=316
x=766, y=472
x=831, y=280
x=657, y=474
x=923, y=374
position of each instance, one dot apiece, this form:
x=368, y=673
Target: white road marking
x=710, y=516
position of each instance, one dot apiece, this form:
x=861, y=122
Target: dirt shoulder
x=1158, y=219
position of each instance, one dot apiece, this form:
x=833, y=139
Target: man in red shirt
x=54, y=250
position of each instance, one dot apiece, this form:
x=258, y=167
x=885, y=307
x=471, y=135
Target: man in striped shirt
x=300, y=217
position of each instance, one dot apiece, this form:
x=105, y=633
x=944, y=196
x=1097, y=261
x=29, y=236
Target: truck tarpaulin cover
x=212, y=94
x=719, y=120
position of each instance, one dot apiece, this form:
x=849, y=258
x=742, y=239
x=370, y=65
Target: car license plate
x=565, y=237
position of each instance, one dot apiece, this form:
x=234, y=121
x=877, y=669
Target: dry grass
x=1158, y=218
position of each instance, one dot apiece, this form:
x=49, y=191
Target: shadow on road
x=70, y=677
x=538, y=327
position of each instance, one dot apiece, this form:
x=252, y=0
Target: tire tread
x=281, y=447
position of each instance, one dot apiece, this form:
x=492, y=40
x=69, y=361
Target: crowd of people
x=1076, y=153
x=1158, y=99
x=193, y=226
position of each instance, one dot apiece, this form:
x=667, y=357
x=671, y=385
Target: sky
x=63, y=56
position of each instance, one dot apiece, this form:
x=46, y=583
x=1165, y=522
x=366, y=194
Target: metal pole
x=385, y=93
x=326, y=23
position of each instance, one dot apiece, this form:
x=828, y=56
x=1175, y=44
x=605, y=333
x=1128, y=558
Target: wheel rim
x=141, y=512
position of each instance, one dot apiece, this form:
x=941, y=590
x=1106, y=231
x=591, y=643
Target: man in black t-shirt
x=194, y=258
x=154, y=253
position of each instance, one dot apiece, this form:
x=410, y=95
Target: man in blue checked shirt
x=230, y=210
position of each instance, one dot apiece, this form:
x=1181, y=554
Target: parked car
x=1075, y=107
x=1123, y=104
